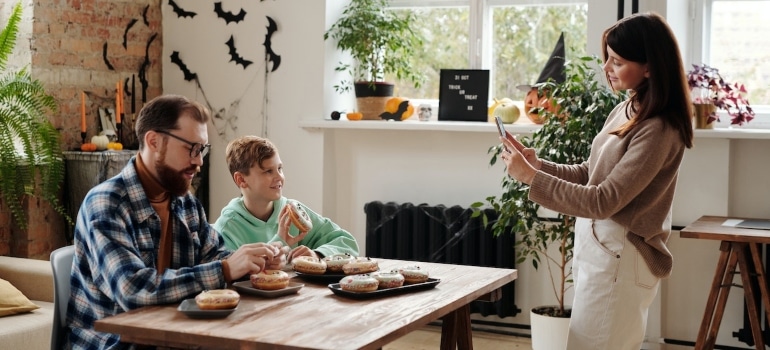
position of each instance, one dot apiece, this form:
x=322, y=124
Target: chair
x=61, y=262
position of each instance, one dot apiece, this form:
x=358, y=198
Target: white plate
x=246, y=288
x=191, y=309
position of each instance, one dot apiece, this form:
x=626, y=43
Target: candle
x=117, y=102
x=133, y=94
x=82, y=111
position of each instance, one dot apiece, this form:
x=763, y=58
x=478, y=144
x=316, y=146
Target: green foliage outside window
x=523, y=38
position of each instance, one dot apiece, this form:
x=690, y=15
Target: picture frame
x=107, y=118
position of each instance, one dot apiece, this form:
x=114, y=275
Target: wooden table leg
x=456, y=329
x=463, y=329
x=761, y=278
x=722, y=280
x=448, y=331
x=749, y=294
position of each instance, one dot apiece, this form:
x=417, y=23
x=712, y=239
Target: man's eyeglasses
x=196, y=148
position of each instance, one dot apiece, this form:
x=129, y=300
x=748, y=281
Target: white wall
x=295, y=89
x=337, y=171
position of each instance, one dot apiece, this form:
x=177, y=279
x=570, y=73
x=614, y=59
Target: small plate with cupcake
x=269, y=284
x=216, y=303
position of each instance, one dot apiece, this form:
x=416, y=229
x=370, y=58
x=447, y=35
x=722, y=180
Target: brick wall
x=65, y=49
x=68, y=55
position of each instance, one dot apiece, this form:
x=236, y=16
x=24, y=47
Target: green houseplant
x=583, y=103
x=380, y=42
x=31, y=162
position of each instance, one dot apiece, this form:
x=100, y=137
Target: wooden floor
x=429, y=338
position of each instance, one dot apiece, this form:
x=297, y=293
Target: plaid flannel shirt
x=116, y=249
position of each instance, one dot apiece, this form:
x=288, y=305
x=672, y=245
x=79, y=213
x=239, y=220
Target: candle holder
x=119, y=132
x=83, y=137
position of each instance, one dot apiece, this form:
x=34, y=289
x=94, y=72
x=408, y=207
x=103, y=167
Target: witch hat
x=554, y=68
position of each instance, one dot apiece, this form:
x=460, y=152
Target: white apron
x=613, y=289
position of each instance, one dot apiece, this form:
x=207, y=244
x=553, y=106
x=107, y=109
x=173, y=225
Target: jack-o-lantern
x=533, y=100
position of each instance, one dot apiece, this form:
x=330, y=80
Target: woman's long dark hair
x=646, y=38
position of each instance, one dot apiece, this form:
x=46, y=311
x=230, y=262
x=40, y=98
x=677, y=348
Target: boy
x=260, y=213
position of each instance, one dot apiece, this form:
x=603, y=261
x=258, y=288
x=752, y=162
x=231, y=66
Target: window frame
x=699, y=49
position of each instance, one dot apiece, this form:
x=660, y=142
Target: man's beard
x=171, y=179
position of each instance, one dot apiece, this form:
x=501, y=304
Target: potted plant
x=711, y=92
x=31, y=162
x=380, y=42
x=582, y=104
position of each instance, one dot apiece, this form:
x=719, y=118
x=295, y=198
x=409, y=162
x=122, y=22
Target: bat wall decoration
x=234, y=56
x=180, y=12
x=270, y=55
x=104, y=56
x=125, y=33
x=144, y=15
x=188, y=75
x=227, y=15
x=143, y=69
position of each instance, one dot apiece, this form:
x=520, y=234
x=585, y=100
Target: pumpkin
x=117, y=146
x=100, y=141
x=491, y=109
x=534, y=100
x=354, y=116
x=391, y=106
x=88, y=147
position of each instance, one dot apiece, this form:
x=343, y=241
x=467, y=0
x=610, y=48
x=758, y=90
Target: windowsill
x=516, y=128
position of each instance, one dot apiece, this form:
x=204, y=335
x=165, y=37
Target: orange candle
x=117, y=103
x=82, y=111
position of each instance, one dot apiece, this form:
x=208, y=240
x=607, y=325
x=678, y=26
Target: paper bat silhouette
x=234, y=54
x=270, y=55
x=180, y=12
x=144, y=15
x=227, y=15
x=104, y=56
x=188, y=75
x=125, y=33
x=145, y=66
x=402, y=107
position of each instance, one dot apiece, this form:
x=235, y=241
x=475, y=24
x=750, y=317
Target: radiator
x=443, y=235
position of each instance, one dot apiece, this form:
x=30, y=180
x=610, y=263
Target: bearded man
x=142, y=238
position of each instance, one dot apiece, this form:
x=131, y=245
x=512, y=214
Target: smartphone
x=500, y=126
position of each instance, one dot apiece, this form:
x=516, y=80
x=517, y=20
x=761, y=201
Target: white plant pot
x=548, y=333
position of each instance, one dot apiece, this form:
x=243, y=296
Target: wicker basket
x=371, y=107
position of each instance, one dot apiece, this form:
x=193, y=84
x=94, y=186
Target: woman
x=623, y=194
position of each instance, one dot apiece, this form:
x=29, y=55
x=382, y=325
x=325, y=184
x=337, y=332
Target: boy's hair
x=242, y=153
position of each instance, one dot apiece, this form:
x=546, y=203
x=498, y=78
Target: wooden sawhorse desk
x=738, y=246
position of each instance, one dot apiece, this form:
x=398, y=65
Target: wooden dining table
x=740, y=254
x=317, y=318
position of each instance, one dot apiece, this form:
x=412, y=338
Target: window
x=511, y=38
x=734, y=41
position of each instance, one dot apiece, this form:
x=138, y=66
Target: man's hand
x=279, y=261
x=251, y=258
